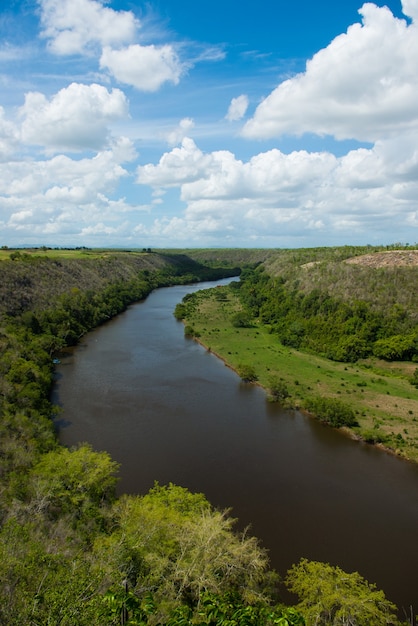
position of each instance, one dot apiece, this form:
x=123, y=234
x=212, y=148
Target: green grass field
x=385, y=403
x=63, y=253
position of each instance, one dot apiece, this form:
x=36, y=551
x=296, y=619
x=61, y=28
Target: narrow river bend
x=168, y=410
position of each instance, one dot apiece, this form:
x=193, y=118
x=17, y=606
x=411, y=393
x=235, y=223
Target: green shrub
x=190, y=331
x=278, y=389
x=332, y=411
x=247, y=373
x=414, y=378
x=241, y=320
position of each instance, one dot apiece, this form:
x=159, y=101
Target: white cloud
x=289, y=196
x=8, y=137
x=220, y=174
x=24, y=178
x=182, y=164
x=62, y=197
x=144, y=67
x=72, y=26
x=211, y=53
x=177, y=135
x=364, y=85
x=101, y=229
x=410, y=8
x=9, y=52
x=76, y=118
x=237, y=108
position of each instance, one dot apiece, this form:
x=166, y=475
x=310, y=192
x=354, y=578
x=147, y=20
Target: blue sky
x=208, y=124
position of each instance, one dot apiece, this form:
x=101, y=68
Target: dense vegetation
x=73, y=554
x=333, y=326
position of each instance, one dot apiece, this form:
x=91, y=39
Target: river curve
x=168, y=410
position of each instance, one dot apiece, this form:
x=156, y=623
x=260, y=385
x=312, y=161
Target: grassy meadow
x=384, y=401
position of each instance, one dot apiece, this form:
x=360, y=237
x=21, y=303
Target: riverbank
x=383, y=400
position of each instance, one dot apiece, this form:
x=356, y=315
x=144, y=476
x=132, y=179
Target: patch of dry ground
x=387, y=258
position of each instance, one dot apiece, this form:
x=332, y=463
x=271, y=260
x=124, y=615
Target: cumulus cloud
x=410, y=8
x=73, y=26
x=83, y=26
x=177, y=135
x=280, y=196
x=144, y=67
x=61, y=175
x=237, y=108
x=220, y=175
x=364, y=85
x=63, y=197
x=76, y=118
x=183, y=164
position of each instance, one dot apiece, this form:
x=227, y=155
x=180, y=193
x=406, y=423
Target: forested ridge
x=71, y=552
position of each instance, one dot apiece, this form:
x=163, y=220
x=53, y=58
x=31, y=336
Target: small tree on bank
x=247, y=373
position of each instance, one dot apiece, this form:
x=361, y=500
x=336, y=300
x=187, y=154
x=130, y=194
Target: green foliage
x=74, y=482
x=350, y=349
x=339, y=326
x=173, y=542
x=45, y=576
x=124, y=607
x=396, y=347
x=278, y=389
x=304, y=371
x=414, y=378
x=247, y=373
x=190, y=331
x=229, y=610
x=214, y=609
x=375, y=435
x=180, y=311
x=241, y=319
x=331, y=411
x=330, y=596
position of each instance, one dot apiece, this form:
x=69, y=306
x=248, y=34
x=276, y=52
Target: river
x=168, y=410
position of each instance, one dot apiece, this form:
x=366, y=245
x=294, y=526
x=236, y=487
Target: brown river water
x=168, y=410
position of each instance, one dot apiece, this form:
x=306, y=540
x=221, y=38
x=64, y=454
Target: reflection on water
x=168, y=410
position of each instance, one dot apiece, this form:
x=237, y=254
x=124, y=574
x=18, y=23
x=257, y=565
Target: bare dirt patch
x=387, y=258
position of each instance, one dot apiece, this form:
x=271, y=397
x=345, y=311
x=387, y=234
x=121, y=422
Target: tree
x=173, y=543
x=396, y=347
x=76, y=482
x=278, y=389
x=241, y=319
x=229, y=609
x=331, y=411
x=330, y=596
x=414, y=378
x=247, y=373
x=46, y=576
